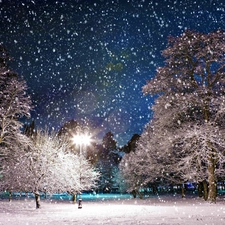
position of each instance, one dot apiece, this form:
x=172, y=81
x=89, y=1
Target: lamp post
x=81, y=139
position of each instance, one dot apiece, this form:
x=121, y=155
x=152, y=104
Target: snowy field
x=114, y=210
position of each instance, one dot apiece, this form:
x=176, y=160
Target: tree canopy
x=187, y=127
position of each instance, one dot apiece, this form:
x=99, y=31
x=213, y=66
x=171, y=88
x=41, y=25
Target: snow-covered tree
x=146, y=166
x=54, y=168
x=107, y=163
x=192, y=85
x=132, y=173
x=196, y=148
x=88, y=175
x=48, y=166
x=36, y=166
x=14, y=104
x=12, y=176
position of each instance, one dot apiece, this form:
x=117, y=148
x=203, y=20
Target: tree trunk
x=74, y=198
x=205, y=190
x=200, y=189
x=182, y=190
x=141, y=195
x=212, y=180
x=37, y=199
x=154, y=189
x=134, y=193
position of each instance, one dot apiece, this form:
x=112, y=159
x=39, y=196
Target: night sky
x=88, y=59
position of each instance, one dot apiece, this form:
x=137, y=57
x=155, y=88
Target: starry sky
x=88, y=59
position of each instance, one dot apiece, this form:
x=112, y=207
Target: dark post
x=80, y=203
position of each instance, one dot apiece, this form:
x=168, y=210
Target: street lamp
x=81, y=140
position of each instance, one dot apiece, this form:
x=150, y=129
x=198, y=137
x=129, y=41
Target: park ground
x=113, y=209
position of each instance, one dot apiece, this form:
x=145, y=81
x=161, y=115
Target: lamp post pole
x=80, y=193
x=81, y=140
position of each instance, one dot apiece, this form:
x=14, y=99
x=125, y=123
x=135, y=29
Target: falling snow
x=87, y=60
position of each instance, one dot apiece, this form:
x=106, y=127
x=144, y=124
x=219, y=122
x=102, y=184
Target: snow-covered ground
x=114, y=210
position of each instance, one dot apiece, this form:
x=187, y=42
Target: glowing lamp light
x=81, y=139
